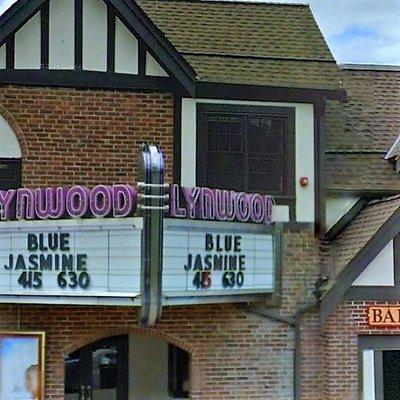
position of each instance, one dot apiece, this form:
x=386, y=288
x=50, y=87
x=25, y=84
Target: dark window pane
x=236, y=126
x=236, y=144
x=391, y=375
x=212, y=142
x=225, y=126
x=223, y=143
x=266, y=124
x=72, y=373
x=278, y=126
x=213, y=127
x=10, y=174
x=244, y=149
x=225, y=171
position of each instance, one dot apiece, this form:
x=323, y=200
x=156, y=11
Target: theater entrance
x=128, y=367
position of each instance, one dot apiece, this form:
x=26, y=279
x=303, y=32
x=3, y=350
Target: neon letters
x=73, y=202
x=220, y=205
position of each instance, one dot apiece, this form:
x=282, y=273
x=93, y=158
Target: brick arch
x=196, y=369
x=127, y=331
x=8, y=116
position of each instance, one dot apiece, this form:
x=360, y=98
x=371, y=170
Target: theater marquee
x=116, y=244
x=213, y=258
x=102, y=257
x=73, y=257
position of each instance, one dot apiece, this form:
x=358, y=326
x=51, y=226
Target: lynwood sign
x=120, y=201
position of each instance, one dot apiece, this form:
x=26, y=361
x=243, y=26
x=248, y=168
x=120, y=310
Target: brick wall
x=89, y=137
x=234, y=354
x=341, y=366
x=86, y=136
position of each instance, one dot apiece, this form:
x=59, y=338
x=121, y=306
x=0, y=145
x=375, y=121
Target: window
x=178, y=373
x=246, y=148
x=391, y=374
x=10, y=173
x=380, y=361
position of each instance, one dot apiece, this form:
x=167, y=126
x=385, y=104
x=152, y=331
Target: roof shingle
x=370, y=120
x=359, y=232
x=250, y=43
x=361, y=173
x=361, y=131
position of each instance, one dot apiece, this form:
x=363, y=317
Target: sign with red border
x=384, y=316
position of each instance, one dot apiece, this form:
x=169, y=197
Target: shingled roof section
x=361, y=173
x=355, y=236
x=249, y=43
x=361, y=131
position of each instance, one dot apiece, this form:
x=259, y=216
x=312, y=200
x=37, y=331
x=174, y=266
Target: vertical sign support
x=152, y=202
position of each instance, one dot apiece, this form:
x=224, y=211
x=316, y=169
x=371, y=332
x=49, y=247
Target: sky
x=357, y=31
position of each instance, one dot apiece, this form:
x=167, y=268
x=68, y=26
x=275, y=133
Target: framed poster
x=22, y=365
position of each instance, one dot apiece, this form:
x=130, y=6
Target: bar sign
x=384, y=316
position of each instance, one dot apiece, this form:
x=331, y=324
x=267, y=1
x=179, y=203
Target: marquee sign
x=384, y=316
x=72, y=202
x=214, y=258
x=86, y=257
x=220, y=205
x=102, y=257
x=111, y=241
x=121, y=201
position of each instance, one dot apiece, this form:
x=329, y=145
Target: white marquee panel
x=111, y=252
x=189, y=240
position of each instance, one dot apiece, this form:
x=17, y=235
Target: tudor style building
x=279, y=233
x=361, y=251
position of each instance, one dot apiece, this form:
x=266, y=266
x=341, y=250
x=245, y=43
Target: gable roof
x=242, y=42
x=357, y=245
x=361, y=131
x=268, y=45
x=134, y=18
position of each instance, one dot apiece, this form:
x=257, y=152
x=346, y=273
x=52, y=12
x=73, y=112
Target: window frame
x=378, y=344
x=16, y=163
x=289, y=112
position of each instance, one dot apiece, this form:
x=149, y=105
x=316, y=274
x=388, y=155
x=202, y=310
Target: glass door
x=98, y=371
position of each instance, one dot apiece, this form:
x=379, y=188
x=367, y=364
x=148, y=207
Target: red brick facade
x=89, y=137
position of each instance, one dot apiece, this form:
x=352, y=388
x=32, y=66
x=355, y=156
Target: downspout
x=297, y=349
x=293, y=322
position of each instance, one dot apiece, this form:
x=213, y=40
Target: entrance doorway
x=129, y=367
x=98, y=371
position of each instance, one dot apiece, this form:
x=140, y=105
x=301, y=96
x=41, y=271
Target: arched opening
x=127, y=367
x=10, y=157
